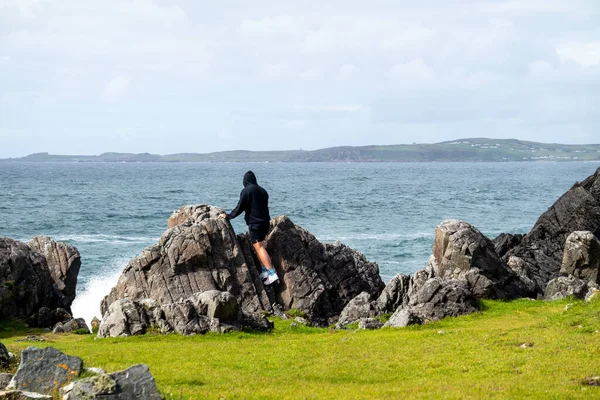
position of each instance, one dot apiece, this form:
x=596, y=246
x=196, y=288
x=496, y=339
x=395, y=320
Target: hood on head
x=249, y=178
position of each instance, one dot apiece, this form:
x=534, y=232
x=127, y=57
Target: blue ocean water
x=388, y=211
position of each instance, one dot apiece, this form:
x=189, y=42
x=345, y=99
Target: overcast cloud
x=160, y=76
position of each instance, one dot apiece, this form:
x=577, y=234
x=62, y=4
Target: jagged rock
x=70, y=326
x=395, y=294
x=461, y=252
x=135, y=382
x=192, y=257
x=22, y=395
x=26, y=284
x=63, y=261
x=542, y=249
x=4, y=356
x=369, y=323
x=565, y=286
x=5, y=380
x=196, y=314
x=193, y=213
x=200, y=253
x=582, y=256
x=45, y=370
x=359, y=307
x=403, y=317
x=504, y=242
x=319, y=279
x=440, y=298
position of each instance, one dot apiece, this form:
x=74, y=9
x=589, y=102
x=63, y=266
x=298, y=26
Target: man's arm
x=241, y=206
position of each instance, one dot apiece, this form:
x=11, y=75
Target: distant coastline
x=460, y=150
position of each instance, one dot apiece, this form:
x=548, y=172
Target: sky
x=164, y=77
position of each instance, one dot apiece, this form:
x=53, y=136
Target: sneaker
x=272, y=278
x=264, y=274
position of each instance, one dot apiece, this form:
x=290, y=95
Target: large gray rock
x=192, y=257
x=360, y=307
x=200, y=253
x=63, y=261
x=26, y=285
x=200, y=313
x=403, y=317
x=582, y=256
x=542, y=249
x=461, y=252
x=441, y=298
x=45, y=370
x=135, y=382
x=569, y=286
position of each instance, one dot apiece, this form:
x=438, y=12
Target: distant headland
x=460, y=150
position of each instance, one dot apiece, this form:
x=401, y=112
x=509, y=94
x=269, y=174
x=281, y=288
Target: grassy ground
x=521, y=349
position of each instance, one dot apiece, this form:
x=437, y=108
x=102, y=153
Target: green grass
x=476, y=356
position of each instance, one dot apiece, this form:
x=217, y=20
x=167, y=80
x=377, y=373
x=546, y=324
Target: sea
x=387, y=211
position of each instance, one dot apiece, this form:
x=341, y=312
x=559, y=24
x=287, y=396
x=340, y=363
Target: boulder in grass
x=359, y=307
x=569, y=286
x=45, y=370
x=74, y=325
x=395, y=294
x=135, y=382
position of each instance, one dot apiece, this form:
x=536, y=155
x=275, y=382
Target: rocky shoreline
x=202, y=277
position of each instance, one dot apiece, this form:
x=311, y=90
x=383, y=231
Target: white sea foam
x=87, y=301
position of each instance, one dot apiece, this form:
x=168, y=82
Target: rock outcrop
x=200, y=253
x=541, y=251
x=210, y=311
x=461, y=252
x=582, y=256
x=63, y=261
x=27, y=287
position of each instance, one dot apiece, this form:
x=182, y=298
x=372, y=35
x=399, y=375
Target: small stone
x=301, y=320
x=592, y=381
x=293, y=325
x=568, y=306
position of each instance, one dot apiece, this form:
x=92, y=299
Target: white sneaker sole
x=271, y=279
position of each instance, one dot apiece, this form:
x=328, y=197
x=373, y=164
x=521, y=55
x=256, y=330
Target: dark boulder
x=541, y=251
x=504, y=242
x=4, y=356
x=63, y=261
x=74, y=325
x=27, y=286
x=319, y=279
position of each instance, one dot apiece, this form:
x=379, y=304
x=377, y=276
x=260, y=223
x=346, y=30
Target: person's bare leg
x=262, y=254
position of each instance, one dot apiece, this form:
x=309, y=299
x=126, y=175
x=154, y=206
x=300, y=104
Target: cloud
x=585, y=54
x=274, y=71
x=116, y=88
x=414, y=70
x=347, y=71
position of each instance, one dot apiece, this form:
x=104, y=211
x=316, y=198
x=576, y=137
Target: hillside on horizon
x=470, y=149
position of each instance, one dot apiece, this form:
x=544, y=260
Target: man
x=254, y=201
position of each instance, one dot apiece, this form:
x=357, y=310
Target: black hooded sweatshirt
x=254, y=200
